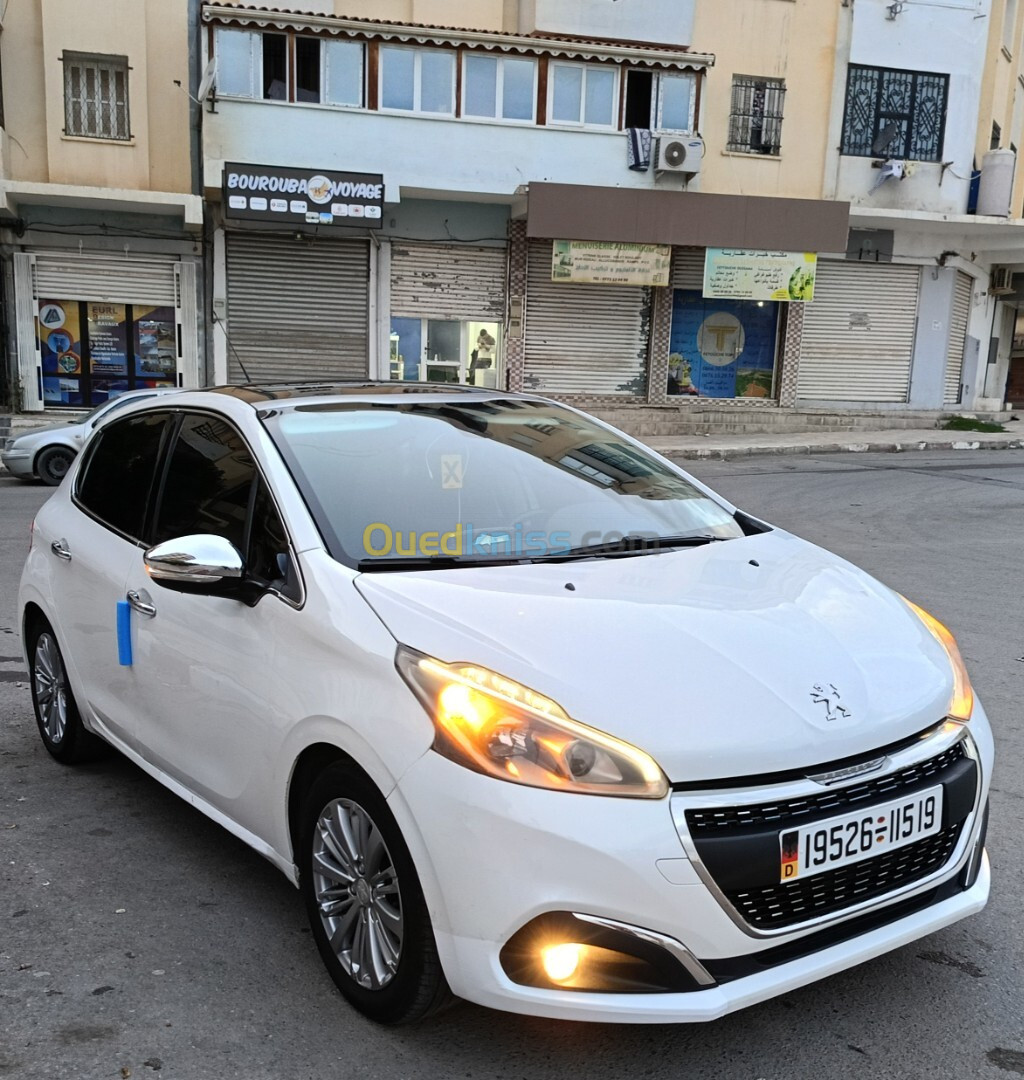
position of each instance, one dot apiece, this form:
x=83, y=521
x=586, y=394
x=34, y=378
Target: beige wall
x=470, y=14
x=153, y=34
x=792, y=40
x=1002, y=94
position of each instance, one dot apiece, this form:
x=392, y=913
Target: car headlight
x=499, y=727
x=962, y=703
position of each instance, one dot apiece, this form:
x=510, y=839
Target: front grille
x=781, y=905
x=719, y=820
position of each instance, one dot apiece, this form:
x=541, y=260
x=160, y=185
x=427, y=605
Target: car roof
x=262, y=395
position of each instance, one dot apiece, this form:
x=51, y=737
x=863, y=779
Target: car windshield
x=436, y=483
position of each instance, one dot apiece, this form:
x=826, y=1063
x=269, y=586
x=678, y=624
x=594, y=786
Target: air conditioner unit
x=1001, y=282
x=679, y=154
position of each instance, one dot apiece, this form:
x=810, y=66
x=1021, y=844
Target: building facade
x=766, y=203
x=100, y=228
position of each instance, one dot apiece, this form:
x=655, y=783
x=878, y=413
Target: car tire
x=57, y=716
x=53, y=463
x=364, y=901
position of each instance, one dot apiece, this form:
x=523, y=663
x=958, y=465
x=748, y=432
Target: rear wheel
x=364, y=902
x=60, y=724
x=53, y=463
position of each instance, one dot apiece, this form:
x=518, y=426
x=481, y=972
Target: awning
x=18, y=196
x=580, y=212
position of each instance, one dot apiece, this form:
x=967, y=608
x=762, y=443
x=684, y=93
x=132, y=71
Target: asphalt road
x=138, y=938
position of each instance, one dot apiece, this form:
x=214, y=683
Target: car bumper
x=18, y=463
x=493, y=856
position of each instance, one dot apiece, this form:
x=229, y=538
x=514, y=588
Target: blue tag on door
x=124, y=633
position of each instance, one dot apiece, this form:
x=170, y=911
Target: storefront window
x=92, y=351
x=446, y=350
x=722, y=348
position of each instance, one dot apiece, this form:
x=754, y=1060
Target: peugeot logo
x=828, y=696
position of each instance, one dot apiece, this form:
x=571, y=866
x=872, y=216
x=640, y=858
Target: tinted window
x=267, y=558
x=119, y=473
x=208, y=483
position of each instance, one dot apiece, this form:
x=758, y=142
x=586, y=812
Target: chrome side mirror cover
x=200, y=559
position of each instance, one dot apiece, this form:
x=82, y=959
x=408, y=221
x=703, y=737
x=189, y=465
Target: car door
x=202, y=663
x=92, y=538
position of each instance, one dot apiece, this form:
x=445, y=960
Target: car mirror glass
x=200, y=559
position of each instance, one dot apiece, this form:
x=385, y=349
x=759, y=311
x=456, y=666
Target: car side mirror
x=198, y=563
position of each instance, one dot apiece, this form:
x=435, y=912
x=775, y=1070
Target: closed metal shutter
x=297, y=311
x=957, y=337
x=115, y=279
x=584, y=339
x=688, y=268
x=858, y=336
x=447, y=281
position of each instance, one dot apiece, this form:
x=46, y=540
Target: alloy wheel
x=357, y=894
x=50, y=684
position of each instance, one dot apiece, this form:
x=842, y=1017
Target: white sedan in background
x=529, y=715
x=46, y=453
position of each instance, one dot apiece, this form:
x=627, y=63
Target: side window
x=117, y=478
x=268, y=559
x=208, y=483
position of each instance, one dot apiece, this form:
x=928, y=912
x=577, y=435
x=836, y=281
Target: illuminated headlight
x=962, y=703
x=502, y=728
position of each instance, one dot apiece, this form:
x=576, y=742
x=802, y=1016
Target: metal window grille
x=755, y=122
x=96, y=96
x=894, y=114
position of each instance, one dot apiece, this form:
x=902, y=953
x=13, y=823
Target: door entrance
x=447, y=350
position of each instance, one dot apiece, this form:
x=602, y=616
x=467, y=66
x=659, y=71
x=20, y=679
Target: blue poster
x=721, y=348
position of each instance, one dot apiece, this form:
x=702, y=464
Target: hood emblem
x=828, y=696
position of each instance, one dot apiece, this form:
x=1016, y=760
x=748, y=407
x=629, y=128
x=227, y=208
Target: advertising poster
x=731, y=274
x=597, y=262
x=60, y=346
x=721, y=348
x=108, y=339
x=156, y=342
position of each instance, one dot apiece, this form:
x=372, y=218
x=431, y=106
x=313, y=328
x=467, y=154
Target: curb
x=888, y=446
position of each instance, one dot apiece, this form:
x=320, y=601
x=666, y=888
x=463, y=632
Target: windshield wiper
x=433, y=562
x=634, y=545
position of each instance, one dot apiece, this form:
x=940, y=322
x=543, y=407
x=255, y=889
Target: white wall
x=665, y=21
x=419, y=155
x=942, y=36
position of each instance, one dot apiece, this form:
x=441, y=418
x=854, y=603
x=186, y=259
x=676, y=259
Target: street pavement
x=139, y=939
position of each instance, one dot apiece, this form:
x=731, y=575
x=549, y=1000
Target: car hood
x=30, y=438
x=740, y=658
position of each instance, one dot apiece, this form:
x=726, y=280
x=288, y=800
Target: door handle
x=143, y=607
x=61, y=550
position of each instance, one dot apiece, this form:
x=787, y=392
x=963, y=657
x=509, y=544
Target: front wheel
x=364, y=902
x=60, y=724
x=52, y=464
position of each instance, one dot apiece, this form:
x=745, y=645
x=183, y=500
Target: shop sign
x=596, y=262
x=733, y=274
x=303, y=196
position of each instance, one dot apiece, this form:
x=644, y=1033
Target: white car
x=46, y=453
x=529, y=715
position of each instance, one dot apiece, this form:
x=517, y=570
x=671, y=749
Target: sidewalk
x=727, y=447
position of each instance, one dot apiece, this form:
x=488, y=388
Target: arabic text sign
x=595, y=262
x=733, y=274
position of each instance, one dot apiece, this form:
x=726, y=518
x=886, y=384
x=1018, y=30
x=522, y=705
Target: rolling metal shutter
x=687, y=268
x=584, y=339
x=107, y=277
x=958, y=317
x=297, y=311
x=448, y=281
x=858, y=336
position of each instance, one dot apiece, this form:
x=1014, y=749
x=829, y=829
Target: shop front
x=93, y=325
x=713, y=328
x=447, y=313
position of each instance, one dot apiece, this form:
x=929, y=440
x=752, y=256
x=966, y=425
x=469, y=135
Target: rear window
x=118, y=476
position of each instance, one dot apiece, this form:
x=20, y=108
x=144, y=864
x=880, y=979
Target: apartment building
x=100, y=230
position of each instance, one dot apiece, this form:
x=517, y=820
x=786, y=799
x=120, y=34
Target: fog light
x=561, y=962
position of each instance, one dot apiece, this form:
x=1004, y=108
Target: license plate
x=861, y=834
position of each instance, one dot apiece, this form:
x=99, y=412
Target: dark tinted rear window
x=118, y=476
